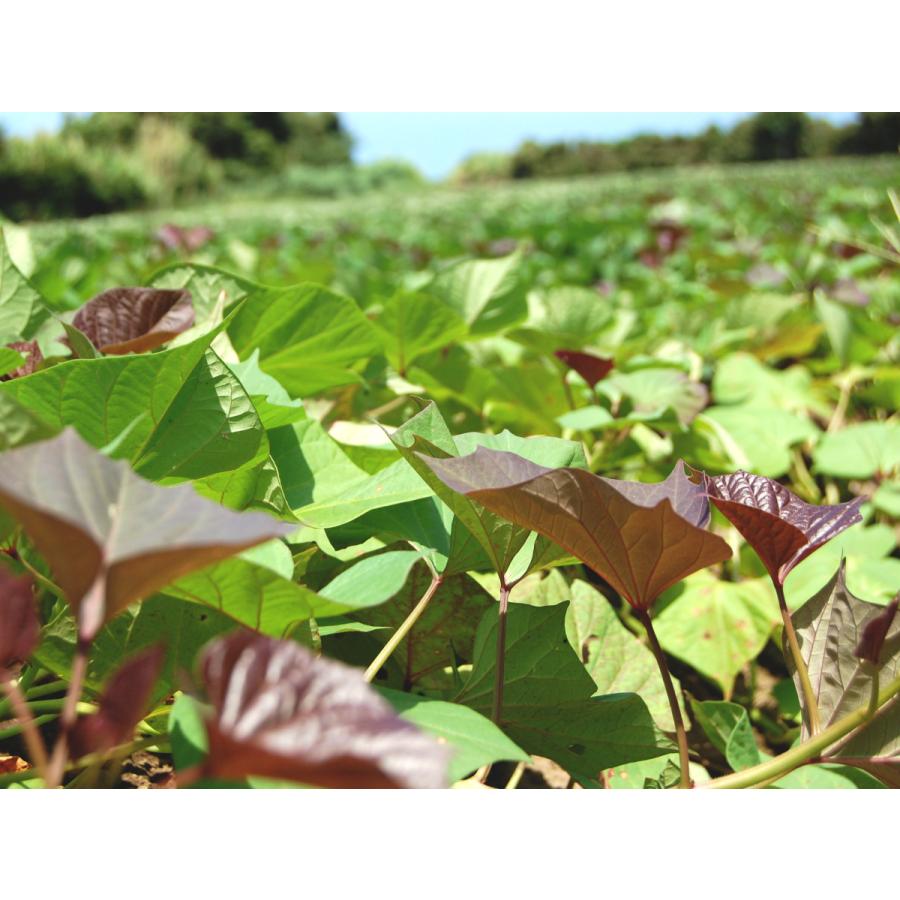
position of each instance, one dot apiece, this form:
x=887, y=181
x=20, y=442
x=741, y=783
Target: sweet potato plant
x=591, y=485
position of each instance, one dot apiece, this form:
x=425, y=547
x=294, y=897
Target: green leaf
x=485, y=293
x=562, y=317
x=182, y=628
x=253, y=595
x=22, y=309
x=548, y=706
x=308, y=337
x=372, y=581
x=616, y=660
x=206, y=284
x=413, y=324
x=718, y=626
x=256, y=485
x=861, y=450
x=636, y=775
x=444, y=632
x=187, y=733
x=475, y=740
x=20, y=425
x=10, y=360
x=651, y=392
x=273, y=403
x=728, y=727
x=757, y=439
x=200, y=419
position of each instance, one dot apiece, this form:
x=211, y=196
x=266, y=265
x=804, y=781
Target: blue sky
x=436, y=142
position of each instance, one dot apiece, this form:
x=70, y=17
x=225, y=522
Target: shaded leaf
x=121, y=706
x=19, y=624
x=134, y=319
x=642, y=538
x=444, y=632
x=780, y=527
x=548, y=703
x=874, y=634
x=273, y=403
x=20, y=425
x=280, y=712
x=99, y=524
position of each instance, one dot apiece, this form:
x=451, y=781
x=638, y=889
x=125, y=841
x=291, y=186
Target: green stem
x=500, y=667
x=404, y=629
x=16, y=730
x=680, y=732
x=812, y=707
x=873, y=697
x=33, y=740
x=810, y=749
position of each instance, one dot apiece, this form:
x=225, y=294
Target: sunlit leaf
x=280, y=712
x=99, y=524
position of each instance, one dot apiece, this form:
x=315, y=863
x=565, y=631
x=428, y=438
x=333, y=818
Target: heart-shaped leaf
x=780, y=527
x=134, y=319
x=19, y=625
x=862, y=450
x=549, y=708
x=425, y=438
x=122, y=705
x=99, y=524
x=642, y=538
x=280, y=712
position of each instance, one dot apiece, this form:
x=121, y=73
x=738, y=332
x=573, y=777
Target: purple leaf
x=121, y=706
x=642, y=538
x=875, y=632
x=780, y=527
x=281, y=712
x=591, y=368
x=134, y=319
x=19, y=625
x=100, y=525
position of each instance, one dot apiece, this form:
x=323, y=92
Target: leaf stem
x=810, y=749
x=680, y=732
x=404, y=629
x=57, y=766
x=516, y=777
x=812, y=708
x=500, y=667
x=33, y=740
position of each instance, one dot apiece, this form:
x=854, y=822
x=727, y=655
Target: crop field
x=586, y=483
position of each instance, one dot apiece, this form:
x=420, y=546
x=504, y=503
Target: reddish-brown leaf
x=134, y=319
x=33, y=358
x=98, y=524
x=19, y=624
x=780, y=527
x=122, y=705
x=591, y=368
x=642, y=538
x=174, y=237
x=281, y=712
x=874, y=633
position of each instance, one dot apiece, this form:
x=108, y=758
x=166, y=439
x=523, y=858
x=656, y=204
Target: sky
x=437, y=142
